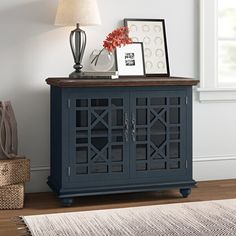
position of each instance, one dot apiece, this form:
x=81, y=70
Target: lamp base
x=77, y=44
x=76, y=75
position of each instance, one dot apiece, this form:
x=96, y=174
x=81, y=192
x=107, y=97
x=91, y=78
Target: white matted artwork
x=130, y=60
x=152, y=33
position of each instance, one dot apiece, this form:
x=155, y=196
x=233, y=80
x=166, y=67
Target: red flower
x=117, y=38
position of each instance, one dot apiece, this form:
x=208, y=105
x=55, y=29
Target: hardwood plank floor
x=44, y=203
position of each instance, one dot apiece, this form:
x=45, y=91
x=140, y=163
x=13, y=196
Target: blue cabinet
x=120, y=139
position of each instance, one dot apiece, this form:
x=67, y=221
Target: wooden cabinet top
x=122, y=82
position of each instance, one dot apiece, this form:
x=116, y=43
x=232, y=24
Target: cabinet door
x=158, y=134
x=98, y=137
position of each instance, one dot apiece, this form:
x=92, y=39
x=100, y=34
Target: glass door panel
x=160, y=122
x=99, y=143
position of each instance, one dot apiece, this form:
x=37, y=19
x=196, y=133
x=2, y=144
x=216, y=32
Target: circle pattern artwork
x=160, y=65
x=152, y=35
x=158, y=41
x=147, y=52
x=145, y=28
x=157, y=28
x=133, y=28
x=148, y=65
x=147, y=40
x=159, y=53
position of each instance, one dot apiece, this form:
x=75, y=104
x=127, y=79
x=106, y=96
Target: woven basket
x=14, y=171
x=12, y=197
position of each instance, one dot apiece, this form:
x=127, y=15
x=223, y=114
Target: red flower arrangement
x=116, y=38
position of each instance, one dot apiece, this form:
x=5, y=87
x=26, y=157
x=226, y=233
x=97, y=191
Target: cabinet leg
x=185, y=192
x=67, y=202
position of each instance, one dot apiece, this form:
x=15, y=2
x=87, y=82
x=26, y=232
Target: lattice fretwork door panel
x=158, y=126
x=99, y=138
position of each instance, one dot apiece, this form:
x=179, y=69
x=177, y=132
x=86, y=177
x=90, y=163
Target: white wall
x=32, y=49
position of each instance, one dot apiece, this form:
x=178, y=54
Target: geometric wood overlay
x=100, y=137
x=158, y=133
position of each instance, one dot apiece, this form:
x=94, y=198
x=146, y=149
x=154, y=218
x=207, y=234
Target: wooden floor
x=43, y=203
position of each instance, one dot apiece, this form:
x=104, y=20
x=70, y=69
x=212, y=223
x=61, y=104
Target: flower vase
x=101, y=60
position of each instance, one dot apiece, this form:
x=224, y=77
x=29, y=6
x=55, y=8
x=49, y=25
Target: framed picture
x=130, y=60
x=153, y=35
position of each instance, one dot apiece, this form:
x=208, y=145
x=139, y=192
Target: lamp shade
x=82, y=12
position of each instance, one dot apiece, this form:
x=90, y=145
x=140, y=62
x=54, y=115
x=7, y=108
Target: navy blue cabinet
x=114, y=139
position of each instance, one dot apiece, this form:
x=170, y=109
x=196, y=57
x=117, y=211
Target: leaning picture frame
x=152, y=33
x=130, y=60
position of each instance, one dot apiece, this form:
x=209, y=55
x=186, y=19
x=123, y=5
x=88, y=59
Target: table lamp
x=79, y=13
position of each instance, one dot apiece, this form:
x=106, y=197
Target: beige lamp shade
x=82, y=12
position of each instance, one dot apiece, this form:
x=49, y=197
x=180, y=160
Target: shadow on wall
x=23, y=25
x=24, y=20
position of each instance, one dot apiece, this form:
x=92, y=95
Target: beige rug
x=186, y=219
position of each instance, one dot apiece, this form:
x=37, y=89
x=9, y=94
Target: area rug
x=206, y=218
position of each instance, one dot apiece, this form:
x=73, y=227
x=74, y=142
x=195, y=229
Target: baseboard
x=214, y=167
x=204, y=168
x=214, y=158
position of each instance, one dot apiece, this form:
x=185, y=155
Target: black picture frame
x=152, y=33
x=130, y=60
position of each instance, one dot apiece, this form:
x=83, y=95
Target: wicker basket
x=12, y=197
x=14, y=171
